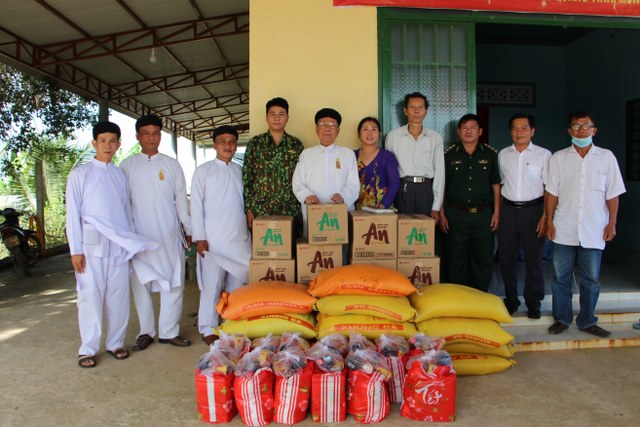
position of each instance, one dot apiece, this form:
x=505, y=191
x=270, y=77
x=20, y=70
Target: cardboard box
x=420, y=271
x=391, y=264
x=283, y=270
x=373, y=235
x=272, y=237
x=312, y=259
x=415, y=236
x=327, y=224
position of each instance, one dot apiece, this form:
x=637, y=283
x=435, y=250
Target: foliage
x=34, y=109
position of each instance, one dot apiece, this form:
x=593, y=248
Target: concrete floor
x=42, y=385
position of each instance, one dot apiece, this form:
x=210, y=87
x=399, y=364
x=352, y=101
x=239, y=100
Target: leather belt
x=468, y=209
x=534, y=202
x=416, y=179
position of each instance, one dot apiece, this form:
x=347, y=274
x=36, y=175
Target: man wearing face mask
x=582, y=191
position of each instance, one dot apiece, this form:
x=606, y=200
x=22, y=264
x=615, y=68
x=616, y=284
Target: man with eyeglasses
x=582, y=191
x=327, y=172
x=523, y=169
x=420, y=160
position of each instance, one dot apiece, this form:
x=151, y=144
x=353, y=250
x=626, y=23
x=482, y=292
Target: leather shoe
x=533, y=313
x=557, y=328
x=210, y=339
x=597, y=331
x=142, y=342
x=178, y=341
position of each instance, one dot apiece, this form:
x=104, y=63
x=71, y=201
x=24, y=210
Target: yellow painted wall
x=314, y=55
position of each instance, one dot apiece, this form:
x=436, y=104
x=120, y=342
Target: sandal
x=119, y=353
x=85, y=361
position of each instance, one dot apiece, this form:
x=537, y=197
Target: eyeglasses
x=329, y=125
x=586, y=126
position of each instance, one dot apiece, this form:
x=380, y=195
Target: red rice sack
x=370, y=327
x=214, y=396
x=360, y=279
x=429, y=395
x=267, y=297
x=367, y=396
x=480, y=364
x=449, y=300
x=254, y=397
x=328, y=396
x=396, y=309
x=292, y=397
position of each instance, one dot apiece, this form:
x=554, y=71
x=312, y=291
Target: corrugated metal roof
x=186, y=60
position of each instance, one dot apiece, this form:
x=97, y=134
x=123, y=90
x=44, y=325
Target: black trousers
x=415, y=197
x=518, y=225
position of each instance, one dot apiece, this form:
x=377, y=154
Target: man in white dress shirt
x=420, y=160
x=523, y=168
x=327, y=172
x=583, y=189
x=160, y=212
x=101, y=244
x=220, y=229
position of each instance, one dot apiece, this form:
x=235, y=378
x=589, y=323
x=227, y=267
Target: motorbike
x=23, y=244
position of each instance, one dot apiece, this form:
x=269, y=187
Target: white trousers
x=213, y=279
x=170, y=309
x=102, y=288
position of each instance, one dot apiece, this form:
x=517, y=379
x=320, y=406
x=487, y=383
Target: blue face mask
x=581, y=142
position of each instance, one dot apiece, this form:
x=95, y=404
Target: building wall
x=542, y=65
x=314, y=55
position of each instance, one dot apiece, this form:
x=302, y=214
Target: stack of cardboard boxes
x=272, y=249
x=403, y=242
x=416, y=256
x=327, y=232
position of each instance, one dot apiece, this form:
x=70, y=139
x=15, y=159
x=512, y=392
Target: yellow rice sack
x=449, y=300
x=368, y=326
x=479, y=364
x=470, y=348
x=482, y=332
x=397, y=309
x=276, y=324
x=259, y=298
x=360, y=279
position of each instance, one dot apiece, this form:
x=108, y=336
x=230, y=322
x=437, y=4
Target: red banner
x=628, y=8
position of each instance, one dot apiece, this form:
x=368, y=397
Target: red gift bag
x=429, y=395
x=214, y=395
x=328, y=398
x=397, y=365
x=292, y=397
x=254, y=397
x=367, y=396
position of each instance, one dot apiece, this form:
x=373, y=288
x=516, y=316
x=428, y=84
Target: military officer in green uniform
x=472, y=206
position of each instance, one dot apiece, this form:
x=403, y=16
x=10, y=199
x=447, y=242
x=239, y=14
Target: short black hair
x=581, y=114
x=104, y=127
x=278, y=102
x=415, y=95
x=221, y=130
x=148, y=119
x=328, y=112
x=369, y=119
x=467, y=118
x=529, y=117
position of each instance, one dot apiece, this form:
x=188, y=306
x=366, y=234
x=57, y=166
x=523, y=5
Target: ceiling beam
x=146, y=38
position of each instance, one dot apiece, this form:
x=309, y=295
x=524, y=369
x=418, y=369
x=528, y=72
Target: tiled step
x=616, y=312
